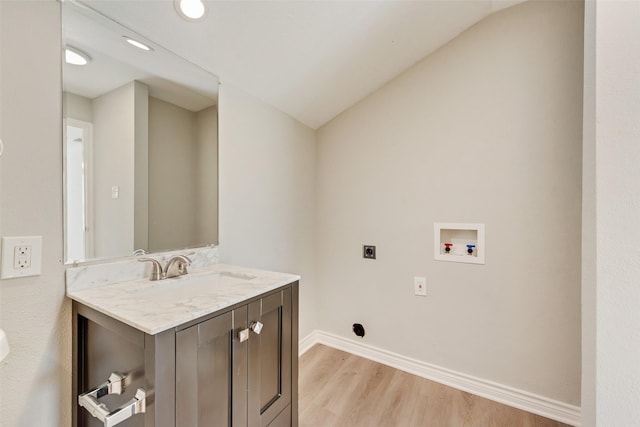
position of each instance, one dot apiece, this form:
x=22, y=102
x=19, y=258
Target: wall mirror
x=140, y=143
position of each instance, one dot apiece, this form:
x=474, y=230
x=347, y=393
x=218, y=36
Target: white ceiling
x=311, y=59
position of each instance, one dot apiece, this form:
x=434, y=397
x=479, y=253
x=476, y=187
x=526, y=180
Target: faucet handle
x=177, y=266
x=156, y=273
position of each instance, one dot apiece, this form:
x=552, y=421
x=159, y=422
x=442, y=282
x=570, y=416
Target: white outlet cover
x=8, y=254
x=420, y=286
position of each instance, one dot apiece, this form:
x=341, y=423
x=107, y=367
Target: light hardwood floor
x=338, y=389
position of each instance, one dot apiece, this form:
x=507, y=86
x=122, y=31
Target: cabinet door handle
x=256, y=327
x=243, y=335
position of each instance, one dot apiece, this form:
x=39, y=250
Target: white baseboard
x=536, y=404
x=309, y=341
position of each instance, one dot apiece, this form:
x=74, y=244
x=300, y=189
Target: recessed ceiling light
x=137, y=44
x=75, y=56
x=191, y=10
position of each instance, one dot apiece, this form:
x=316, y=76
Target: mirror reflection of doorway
x=78, y=180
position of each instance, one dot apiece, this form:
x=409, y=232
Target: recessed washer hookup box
x=459, y=242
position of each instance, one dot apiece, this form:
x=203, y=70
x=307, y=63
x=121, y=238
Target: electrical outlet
x=21, y=256
x=369, y=251
x=420, y=286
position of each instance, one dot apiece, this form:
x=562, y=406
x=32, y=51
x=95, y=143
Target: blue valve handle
x=471, y=246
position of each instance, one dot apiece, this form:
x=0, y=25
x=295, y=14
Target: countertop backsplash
x=94, y=275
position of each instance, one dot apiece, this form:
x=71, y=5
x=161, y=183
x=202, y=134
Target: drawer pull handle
x=243, y=335
x=256, y=327
x=114, y=385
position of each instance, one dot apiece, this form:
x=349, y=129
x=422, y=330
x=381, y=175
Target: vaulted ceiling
x=311, y=59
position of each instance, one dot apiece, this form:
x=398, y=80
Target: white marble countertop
x=153, y=307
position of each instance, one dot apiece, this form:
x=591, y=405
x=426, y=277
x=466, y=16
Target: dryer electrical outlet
x=21, y=256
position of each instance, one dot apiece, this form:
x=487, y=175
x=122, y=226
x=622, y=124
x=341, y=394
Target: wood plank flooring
x=338, y=389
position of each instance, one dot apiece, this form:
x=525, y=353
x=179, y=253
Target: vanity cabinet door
x=269, y=364
x=204, y=373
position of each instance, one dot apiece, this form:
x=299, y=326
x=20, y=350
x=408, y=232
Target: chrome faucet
x=176, y=266
x=157, y=273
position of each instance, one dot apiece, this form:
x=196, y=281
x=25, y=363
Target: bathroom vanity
x=216, y=347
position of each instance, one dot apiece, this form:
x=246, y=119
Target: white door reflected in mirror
x=78, y=177
x=4, y=345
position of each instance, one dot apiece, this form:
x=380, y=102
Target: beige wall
x=207, y=176
x=267, y=192
x=183, y=185
x=1, y=134
x=36, y=377
x=589, y=248
x=172, y=132
x=611, y=295
x=121, y=224
x=77, y=107
x=114, y=161
x=141, y=167
x=488, y=130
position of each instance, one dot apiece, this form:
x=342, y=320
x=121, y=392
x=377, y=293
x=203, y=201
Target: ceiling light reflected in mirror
x=137, y=44
x=75, y=56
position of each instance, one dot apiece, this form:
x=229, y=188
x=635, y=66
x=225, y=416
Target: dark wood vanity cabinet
x=221, y=381
x=201, y=373
x=270, y=362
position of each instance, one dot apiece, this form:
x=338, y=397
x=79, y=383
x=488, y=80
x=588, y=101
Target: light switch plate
x=420, y=286
x=21, y=257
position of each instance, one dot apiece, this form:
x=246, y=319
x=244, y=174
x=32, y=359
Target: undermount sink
x=191, y=285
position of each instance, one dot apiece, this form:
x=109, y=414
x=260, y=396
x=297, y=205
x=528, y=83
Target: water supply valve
x=470, y=249
x=447, y=248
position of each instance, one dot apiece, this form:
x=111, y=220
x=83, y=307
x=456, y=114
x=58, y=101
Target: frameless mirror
x=140, y=143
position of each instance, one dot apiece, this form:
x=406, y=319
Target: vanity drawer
x=105, y=346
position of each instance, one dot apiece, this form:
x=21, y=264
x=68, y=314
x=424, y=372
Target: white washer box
x=458, y=236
